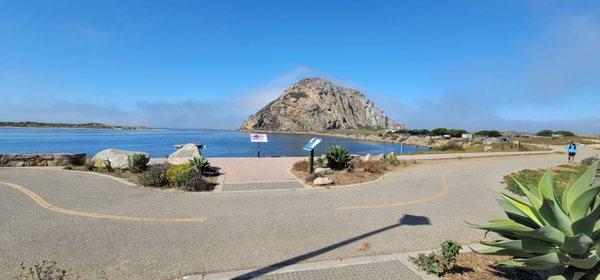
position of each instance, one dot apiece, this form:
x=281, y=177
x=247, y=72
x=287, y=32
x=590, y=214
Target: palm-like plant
x=551, y=233
x=200, y=163
x=337, y=157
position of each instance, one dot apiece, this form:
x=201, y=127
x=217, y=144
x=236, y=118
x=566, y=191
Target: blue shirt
x=571, y=148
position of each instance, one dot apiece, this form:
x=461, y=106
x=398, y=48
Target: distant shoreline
x=89, y=126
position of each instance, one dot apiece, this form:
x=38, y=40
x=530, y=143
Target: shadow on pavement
x=407, y=220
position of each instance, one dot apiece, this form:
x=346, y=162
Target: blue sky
x=209, y=64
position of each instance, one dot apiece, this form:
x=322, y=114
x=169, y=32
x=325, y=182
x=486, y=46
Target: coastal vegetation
x=337, y=157
x=71, y=125
x=441, y=261
x=530, y=177
x=355, y=169
x=549, y=232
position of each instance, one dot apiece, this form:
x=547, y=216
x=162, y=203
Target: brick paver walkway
x=247, y=170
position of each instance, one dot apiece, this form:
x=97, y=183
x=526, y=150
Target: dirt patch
x=484, y=267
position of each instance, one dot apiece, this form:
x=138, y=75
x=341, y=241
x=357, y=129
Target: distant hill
x=69, y=125
x=318, y=105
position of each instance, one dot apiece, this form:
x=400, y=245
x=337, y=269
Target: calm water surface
x=160, y=142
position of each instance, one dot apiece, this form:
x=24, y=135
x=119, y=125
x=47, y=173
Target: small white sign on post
x=258, y=138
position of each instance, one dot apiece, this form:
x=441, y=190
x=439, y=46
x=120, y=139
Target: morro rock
x=315, y=104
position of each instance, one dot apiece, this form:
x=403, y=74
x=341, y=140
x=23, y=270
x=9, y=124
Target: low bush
x=191, y=180
x=374, y=167
x=300, y=166
x=155, y=176
x=173, y=173
x=545, y=132
x=138, y=163
x=45, y=271
x=200, y=163
x=439, y=262
x=392, y=160
x=450, y=146
x=320, y=162
x=337, y=157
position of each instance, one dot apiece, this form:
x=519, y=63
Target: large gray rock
x=184, y=154
x=322, y=181
x=315, y=104
x=379, y=157
x=115, y=157
x=321, y=171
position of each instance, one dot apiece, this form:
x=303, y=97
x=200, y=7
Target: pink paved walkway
x=246, y=170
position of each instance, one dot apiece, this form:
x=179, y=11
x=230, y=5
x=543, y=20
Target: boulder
x=59, y=159
x=115, y=157
x=390, y=155
x=184, y=154
x=366, y=158
x=322, y=181
x=320, y=171
x=379, y=157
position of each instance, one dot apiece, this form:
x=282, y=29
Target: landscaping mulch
x=484, y=267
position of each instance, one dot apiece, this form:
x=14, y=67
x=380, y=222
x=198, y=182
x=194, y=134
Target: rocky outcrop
x=114, y=158
x=58, y=159
x=184, y=154
x=315, y=104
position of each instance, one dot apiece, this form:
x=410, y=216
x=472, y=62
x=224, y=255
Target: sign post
x=310, y=146
x=258, y=138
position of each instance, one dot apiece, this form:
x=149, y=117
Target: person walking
x=571, y=150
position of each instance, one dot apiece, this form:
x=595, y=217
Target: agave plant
x=200, y=163
x=551, y=233
x=337, y=157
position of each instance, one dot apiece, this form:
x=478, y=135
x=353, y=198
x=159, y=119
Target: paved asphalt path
x=241, y=230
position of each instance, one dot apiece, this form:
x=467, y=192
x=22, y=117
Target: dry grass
x=484, y=267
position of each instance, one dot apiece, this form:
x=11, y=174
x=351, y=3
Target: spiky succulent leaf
x=578, y=244
x=522, y=207
x=580, y=186
x=556, y=217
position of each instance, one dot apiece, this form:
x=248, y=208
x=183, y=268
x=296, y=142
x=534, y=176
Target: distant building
x=467, y=136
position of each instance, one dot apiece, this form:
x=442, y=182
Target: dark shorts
x=571, y=154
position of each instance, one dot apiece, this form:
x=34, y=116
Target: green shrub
x=551, y=233
x=545, y=132
x=118, y=172
x=337, y=157
x=439, y=262
x=191, y=180
x=488, y=133
x=530, y=178
x=565, y=133
x=450, y=146
x=392, y=160
x=138, y=163
x=174, y=172
x=320, y=162
x=201, y=163
x=155, y=176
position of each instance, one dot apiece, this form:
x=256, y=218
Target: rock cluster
x=57, y=159
x=315, y=104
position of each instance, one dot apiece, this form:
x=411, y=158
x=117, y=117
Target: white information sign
x=258, y=138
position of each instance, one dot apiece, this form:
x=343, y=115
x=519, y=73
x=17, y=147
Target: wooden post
x=311, y=161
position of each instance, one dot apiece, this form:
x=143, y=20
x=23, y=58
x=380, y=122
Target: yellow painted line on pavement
x=443, y=191
x=45, y=204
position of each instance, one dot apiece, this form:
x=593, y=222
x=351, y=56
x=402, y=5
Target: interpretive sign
x=258, y=138
x=312, y=144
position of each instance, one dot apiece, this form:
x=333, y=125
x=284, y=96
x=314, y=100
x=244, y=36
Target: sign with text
x=312, y=144
x=258, y=138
